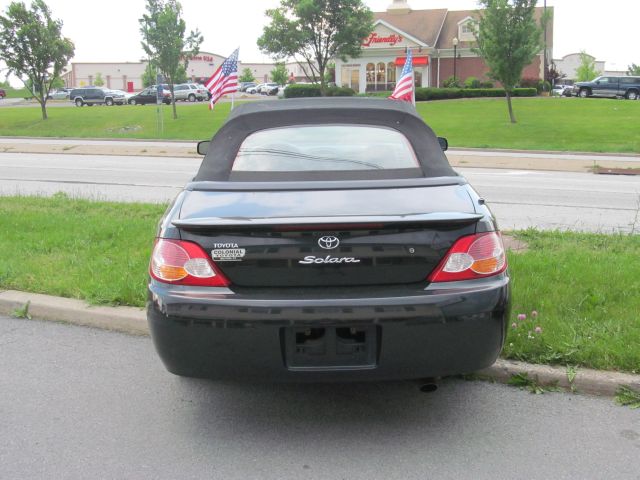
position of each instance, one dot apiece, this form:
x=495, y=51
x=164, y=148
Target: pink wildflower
x=522, y=316
x=514, y=325
x=538, y=329
x=534, y=314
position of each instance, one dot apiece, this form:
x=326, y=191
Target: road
x=519, y=198
x=80, y=403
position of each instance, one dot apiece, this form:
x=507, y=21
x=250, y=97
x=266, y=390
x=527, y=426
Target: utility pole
x=544, y=26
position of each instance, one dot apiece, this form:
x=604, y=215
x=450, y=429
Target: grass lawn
x=565, y=124
x=17, y=93
x=585, y=288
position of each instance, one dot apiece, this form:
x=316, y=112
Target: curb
x=133, y=321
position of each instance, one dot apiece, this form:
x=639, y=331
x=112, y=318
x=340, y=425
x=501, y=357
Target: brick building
x=431, y=35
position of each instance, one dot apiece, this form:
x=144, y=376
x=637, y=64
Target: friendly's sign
x=374, y=39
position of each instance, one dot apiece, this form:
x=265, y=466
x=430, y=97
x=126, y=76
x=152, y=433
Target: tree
x=508, y=39
x=279, y=74
x=587, y=69
x=98, y=81
x=163, y=39
x=149, y=75
x=33, y=47
x=246, y=76
x=554, y=75
x=633, y=69
x=314, y=32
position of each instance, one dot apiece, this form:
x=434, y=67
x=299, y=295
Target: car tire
x=89, y=104
x=192, y=97
x=632, y=95
x=583, y=93
x=132, y=101
x=108, y=102
x=79, y=102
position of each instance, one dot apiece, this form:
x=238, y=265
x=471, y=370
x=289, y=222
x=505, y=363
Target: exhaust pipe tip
x=428, y=385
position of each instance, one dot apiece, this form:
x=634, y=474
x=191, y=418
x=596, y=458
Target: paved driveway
x=78, y=403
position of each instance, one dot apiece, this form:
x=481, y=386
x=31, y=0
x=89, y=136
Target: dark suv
x=95, y=96
x=627, y=87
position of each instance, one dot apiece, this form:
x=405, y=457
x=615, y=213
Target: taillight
x=475, y=256
x=184, y=263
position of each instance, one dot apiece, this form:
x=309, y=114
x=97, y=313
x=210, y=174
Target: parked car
x=265, y=88
x=244, y=85
x=327, y=240
x=189, y=92
x=206, y=90
x=270, y=89
x=126, y=95
x=149, y=95
x=255, y=89
x=607, y=86
x=562, y=90
x=60, y=94
x=95, y=96
x=3, y=93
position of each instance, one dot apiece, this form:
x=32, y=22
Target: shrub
x=472, y=82
x=299, y=90
x=340, y=92
x=543, y=86
x=451, y=82
x=426, y=94
x=487, y=84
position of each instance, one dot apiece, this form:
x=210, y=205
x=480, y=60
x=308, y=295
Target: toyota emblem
x=328, y=242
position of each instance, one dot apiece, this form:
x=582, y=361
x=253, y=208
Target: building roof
x=421, y=24
x=438, y=27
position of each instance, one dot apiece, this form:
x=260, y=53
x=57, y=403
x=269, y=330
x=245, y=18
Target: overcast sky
x=109, y=30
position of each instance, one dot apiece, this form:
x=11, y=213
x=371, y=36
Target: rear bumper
x=441, y=330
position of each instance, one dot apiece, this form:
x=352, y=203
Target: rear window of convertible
x=325, y=148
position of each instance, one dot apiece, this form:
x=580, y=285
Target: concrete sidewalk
x=133, y=321
x=477, y=158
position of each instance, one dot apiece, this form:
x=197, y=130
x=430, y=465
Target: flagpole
x=413, y=83
x=233, y=96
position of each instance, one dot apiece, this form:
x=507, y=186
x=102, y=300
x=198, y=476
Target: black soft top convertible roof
x=251, y=117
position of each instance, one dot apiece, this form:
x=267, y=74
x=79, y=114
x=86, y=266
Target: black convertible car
x=327, y=239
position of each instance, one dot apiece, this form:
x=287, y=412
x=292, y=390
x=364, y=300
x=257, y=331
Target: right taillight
x=474, y=256
x=184, y=263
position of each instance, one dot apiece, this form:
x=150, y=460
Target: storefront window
x=417, y=75
x=345, y=77
x=381, y=76
x=391, y=76
x=371, y=76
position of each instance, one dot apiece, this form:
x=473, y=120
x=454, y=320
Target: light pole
x=455, y=58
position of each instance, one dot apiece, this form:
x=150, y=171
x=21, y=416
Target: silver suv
x=190, y=92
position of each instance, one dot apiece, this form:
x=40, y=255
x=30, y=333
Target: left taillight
x=184, y=263
x=474, y=256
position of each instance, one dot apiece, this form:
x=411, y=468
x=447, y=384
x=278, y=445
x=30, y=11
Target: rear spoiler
x=212, y=223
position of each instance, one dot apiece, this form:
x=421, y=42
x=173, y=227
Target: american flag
x=404, y=87
x=224, y=80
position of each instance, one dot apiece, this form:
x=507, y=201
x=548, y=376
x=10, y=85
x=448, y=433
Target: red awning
x=400, y=61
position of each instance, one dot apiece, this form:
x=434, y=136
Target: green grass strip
x=563, y=124
x=584, y=288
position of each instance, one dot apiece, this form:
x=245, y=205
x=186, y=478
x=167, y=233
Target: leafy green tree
x=33, y=47
x=98, y=81
x=314, y=32
x=587, y=69
x=149, y=75
x=633, y=69
x=165, y=41
x=508, y=39
x=279, y=74
x=246, y=76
